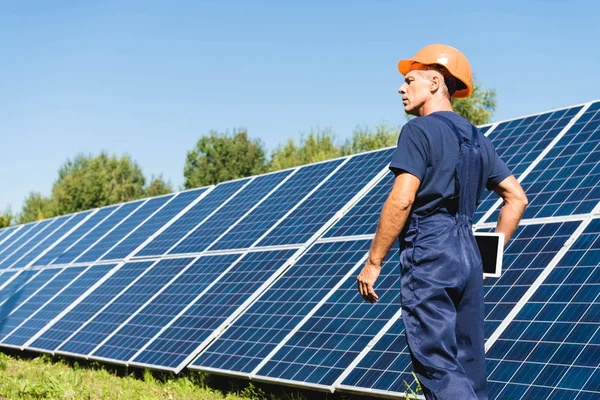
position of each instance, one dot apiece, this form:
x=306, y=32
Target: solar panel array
x=256, y=277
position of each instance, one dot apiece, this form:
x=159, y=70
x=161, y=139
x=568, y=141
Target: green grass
x=45, y=378
x=31, y=376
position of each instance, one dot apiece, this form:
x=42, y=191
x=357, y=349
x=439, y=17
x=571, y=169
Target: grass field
x=43, y=377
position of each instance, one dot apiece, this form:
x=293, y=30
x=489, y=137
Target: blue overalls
x=442, y=287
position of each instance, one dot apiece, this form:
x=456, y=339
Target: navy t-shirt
x=428, y=149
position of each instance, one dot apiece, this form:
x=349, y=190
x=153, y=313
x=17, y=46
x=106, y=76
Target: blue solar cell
x=23, y=285
x=93, y=332
x=62, y=228
x=387, y=366
x=528, y=253
x=259, y=221
x=37, y=299
x=5, y=233
x=555, y=345
x=26, y=241
x=62, y=299
x=260, y=329
x=211, y=229
x=520, y=141
x=149, y=320
x=67, y=242
x=93, y=303
x=21, y=233
x=96, y=233
x=178, y=344
x=565, y=182
x=216, y=198
x=362, y=219
x=95, y=252
x=324, y=346
x=307, y=219
x=157, y=221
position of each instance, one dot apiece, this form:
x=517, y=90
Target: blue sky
x=150, y=77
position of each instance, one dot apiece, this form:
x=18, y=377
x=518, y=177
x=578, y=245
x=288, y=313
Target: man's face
x=416, y=89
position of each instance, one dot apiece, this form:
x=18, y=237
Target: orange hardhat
x=448, y=57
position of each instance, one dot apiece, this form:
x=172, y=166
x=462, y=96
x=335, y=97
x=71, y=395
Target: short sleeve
x=411, y=154
x=499, y=172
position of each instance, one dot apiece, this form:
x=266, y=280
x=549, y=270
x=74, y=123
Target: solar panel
x=293, y=296
x=325, y=345
x=120, y=231
x=24, y=243
x=387, y=366
x=290, y=313
x=311, y=216
x=180, y=342
x=266, y=215
x=48, y=289
x=526, y=256
x=565, y=182
x=62, y=298
x=74, y=236
x=99, y=231
x=520, y=141
x=94, y=331
x=53, y=336
x=216, y=199
x=22, y=232
x=200, y=238
x=149, y=319
x=67, y=224
x=552, y=347
x=152, y=225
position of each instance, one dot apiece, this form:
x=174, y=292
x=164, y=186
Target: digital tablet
x=491, y=247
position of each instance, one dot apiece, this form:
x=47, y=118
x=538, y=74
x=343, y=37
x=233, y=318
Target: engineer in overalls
x=442, y=165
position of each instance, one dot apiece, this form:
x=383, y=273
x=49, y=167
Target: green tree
x=477, y=108
x=317, y=145
x=95, y=181
x=219, y=157
x=364, y=139
x=6, y=217
x=37, y=207
x=158, y=186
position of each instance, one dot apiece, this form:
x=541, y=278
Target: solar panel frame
x=294, y=253
x=96, y=217
x=292, y=274
x=214, y=230
x=342, y=162
x=65, y=298
x=92, y=254
x=266, y=239
x=15, y=247
x=52, y=240
x=98, y=232
x=59, y=318
x=540, y=157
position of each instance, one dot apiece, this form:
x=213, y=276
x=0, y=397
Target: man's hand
x=366, y=280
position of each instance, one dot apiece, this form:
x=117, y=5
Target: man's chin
x=410, y=110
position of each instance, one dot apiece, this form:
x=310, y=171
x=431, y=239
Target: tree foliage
x=6, y=217
x=88, y=181
x=219, y=157
x=365, y=139
x=37, y=207
x=95, y=181
x=317, y=145
x=477, y=108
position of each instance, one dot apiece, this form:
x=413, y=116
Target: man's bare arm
x=391, y=222
x=515, y=202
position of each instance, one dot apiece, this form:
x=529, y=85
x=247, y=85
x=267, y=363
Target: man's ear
x=436, y=83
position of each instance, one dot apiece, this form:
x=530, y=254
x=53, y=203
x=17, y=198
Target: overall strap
x=452, y=126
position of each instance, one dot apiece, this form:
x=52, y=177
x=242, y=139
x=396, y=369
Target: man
x=441, y=164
